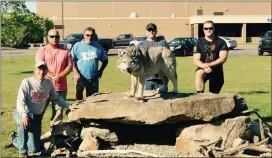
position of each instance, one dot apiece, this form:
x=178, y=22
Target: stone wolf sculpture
x=141, y=63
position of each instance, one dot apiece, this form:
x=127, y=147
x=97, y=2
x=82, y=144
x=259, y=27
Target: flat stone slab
x=158, y=109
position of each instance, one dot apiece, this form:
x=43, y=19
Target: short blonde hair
x=209, y=21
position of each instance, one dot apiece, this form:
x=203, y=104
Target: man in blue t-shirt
x=86, y=55
x=154, y=82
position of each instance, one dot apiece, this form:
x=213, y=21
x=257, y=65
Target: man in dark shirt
x=154, y=82
x=211, y=53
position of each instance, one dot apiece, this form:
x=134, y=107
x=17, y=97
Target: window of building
x=218, y=13
x=257, y=30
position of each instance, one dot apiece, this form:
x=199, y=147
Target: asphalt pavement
x=243, y=50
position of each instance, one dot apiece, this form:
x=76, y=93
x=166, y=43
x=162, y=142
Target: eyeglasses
x=153, y=30
x=54, y=36
x=208, y=28
x=89, y=35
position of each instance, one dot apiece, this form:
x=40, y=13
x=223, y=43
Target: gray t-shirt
x=33, y=94
x=155, y=43
x=146, y=43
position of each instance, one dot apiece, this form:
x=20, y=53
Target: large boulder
x=101, y=133
x=158, y=109
x=191, y=138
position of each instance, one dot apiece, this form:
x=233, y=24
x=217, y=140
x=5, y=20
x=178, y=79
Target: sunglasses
x=89, y=35
x=153, y=30
x=208, y=28
x=54, y=36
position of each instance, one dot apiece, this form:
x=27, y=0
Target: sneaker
x=11, y=137
x=23, y=155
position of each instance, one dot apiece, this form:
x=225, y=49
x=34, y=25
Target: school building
x=240, y=20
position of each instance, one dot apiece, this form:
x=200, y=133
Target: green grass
x=6, y=48
x=248, y=76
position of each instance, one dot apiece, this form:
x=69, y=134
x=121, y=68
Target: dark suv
x=70, y=40
x=265, y=44
x=123, y=40
x=183, y=45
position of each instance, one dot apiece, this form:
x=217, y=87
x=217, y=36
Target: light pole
x=62, y=21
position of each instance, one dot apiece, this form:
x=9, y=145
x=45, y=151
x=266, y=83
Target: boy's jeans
x=28, y=140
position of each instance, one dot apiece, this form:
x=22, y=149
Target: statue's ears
x=121, y=53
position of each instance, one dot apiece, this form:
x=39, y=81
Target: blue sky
x=31, y=6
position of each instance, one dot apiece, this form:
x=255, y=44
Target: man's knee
x=200, y=73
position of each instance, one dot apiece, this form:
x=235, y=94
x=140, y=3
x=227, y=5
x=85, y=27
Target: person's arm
x=197, y=58
x=67, y=70
x=22, y=105
x=40, y=56
x=103, y=57
x=56, y=98
x=165, y=44
x=103, y=66
x=104, y=60
x=74, y=60
x=223, y=55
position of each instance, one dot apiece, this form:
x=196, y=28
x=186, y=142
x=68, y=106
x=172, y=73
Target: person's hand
x=25, y=122
x=56, y=78
x=72, y=107
x=205, y=65
x=76, y=77
x=99, y=74
x=208, y=70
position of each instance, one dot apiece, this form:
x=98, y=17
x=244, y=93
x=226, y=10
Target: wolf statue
x=141, y=63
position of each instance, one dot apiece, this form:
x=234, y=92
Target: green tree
x=13, y=35
x=15, y=13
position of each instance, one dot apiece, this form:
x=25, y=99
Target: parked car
x=183, y=45
x=123, y=40
x=69, y=41
x=137, y=40
x=230, y=42
x=265, y=43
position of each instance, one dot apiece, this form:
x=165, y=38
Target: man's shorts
x=216, y=79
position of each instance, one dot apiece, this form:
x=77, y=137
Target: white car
x=230, y=42
x=137, y=40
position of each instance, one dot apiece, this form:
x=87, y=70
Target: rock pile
x=203, y=124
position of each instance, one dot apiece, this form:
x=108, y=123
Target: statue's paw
x=128, y=95
x=139, y=100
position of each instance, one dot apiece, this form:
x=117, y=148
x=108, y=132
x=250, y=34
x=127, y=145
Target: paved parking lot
x=245, y=50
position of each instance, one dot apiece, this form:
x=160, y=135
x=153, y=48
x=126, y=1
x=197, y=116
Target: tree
x=13, y=35
x=15, y=13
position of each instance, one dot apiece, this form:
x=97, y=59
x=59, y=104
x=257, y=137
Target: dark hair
x=90, y=29
x=209, y=21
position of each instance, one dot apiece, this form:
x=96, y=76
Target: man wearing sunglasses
x=154, y=82
x=86, y=55
x=59, y=61
x=211, y=53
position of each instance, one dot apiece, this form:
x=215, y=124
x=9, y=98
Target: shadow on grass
x=112, y=54
x=253, y=92
x=73, y=100
x=23, y=72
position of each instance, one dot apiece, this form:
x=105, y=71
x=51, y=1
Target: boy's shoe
x=11, y=137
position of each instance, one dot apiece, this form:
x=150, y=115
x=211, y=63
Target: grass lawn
x=248, y=76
